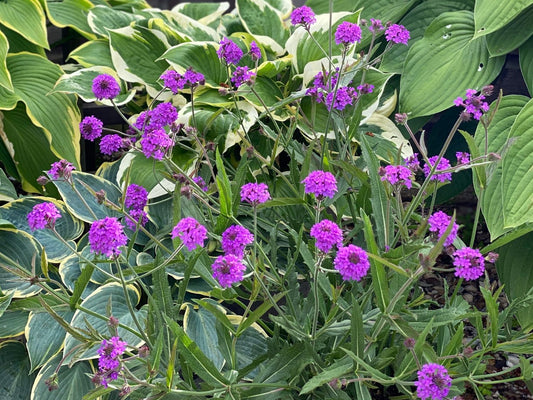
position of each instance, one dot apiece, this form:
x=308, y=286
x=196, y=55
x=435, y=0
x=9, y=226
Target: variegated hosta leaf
x=27, y=18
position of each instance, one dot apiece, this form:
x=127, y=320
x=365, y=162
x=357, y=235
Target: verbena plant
x=265, y=226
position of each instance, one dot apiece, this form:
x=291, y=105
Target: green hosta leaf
x=499, y=141
x=204, y=13
x=18, y=43
x=61, y=125
x=70, y=270
x=271, y=68
x=303, y=49
x=7, y=190
x=68, y=227
x=260, y=18
x=447, y=53
x=84, y=204
x=74, y=382
x=26, y=18
x=20, y=254
x=13, y=323
x=5, y=78
x=526, y=63
x=191, y=30
x=44, y=337
x=517, y=174
x=512, y=35
x=72, y=13
x=491, y=15
x=97, y=302
x=136, y=53
x=202, y=57
x=269, y=93
x=417, y=21
x=15, y=379
x=101, y=19
x=200, y=327
x=93, y=53
x=4, y=303
x=322, y=7
x=80, y=83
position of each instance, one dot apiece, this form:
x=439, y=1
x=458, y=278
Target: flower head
x=444, y=164
x=321, y=184
x=61, y=169
x=190, y=232
x=397, y=34
x=303, y=15
x=105, y=87
x=462, y=157
x=473, y=104
x=412, y=162
x=43, y=215
x=398, y=174
x=139, y=216
x=344, y=96
x=228, y=269
x=469, y=263
x=235, y=239
x=365, y=88
x=375, y=25
x=200, y=182
x=172, y=80
x=91, y=128
x=106, y=236
x=110, y=144
x=347, y=33
x=433, y=382
x=255, y=193
x=243, y=75
x=162, y=115
x=136, y=197
x=255, y=51
x=438, y=223
x=351, y=262
x=327, y=234
x=193, y=78
x=155, y=143
x=109, y=360
x=229, y=51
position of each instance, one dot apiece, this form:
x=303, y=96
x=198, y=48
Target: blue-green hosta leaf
x=74, y=382
x=80, y=83
x=67, y=226
x=97, y=302
x=204, y=13
x=260, y=18
x=7, y=190
x=499, y=141
x=93, y=53
x=526, y=63
x=70, y=271
x=20, y=254
x=26, y=18
x=45, y=336
x=491, y=15
x=101, y=19
x=15, y=379
x=447, y=53
x=5, y=78
x=13, y=323
x=200, y=327
x=71, y=13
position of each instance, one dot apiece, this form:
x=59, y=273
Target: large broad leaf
x=526, y=63
x=5, y=78
x=13, y=323
x=56, y=113
x=260, y=18
x=491, y=15
x=74, y=382
x=200, y=327
x=517, y=174
x=103, y=18
x=108, y=295
x=7, y=190
x=182, y=28
x=512, y=35
x=72, y=13
x=498, y=142
x=68, y=227
x=204, y=13
x=447, y=53
x=17, y=42
x=20, y=254
x=93, y=53
x=27, y=18
x=45, y=337
x=15, y=379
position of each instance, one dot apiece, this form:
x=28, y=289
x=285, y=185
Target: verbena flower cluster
x=135, y=200
x=320, y=183
x=91, y=128
x=176, y=82
x=243, y=75
x=443, y=165
x=255, y=51
x=397, y=175
x=228, y=269
x=462, y=158
x=105, y=87
x=106, y=237
x=229, y=51
x=303, y=16
x=351, y=262
x=473, y=103
x=433, y=382
x=190, y=232
x=439, y=222
x=397, y=34
x=327, y=235
x=255, y=193
x=347, y=33
x=43, y=215
x=469, y=263
x=235, y=239
x=109, y=362
x=61, y=169
x=111, y=144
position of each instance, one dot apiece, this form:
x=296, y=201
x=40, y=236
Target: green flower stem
x=476, y=217
x=202, y=148
x=318, y=263
x=278, y=130
x=421, y=151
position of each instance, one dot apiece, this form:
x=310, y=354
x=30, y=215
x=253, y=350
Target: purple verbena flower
x=255, y=193
x=462, y=157
x=172, y=80
x=105, y=87
x=162, y=115
x=242, y=75
x=61, y=169
x=139, y=216
x=365, y=88
x=91, y=128
x=303, y=15
x=345, y=96
x=106, y=236
x=375, y=25
x=200, y=182
x=469, y=263
x=235, y=239
x=190, y=232
x=444, y=164
x=136, y=197
x=473, y=104
x=398, y=174
x=433, y=382
x=228, y=269
x=351, y=262
x=109, y=360
x=143, y=120
x=155, y=143
x=438, y=223
x=327, y=234
x=255, y=51
x=321, y=184
x=194, y=78
x=347, y=33
x=229, y=51
x=397, y=34
x=110, y=144
x=412, y=162
x=43, y=215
